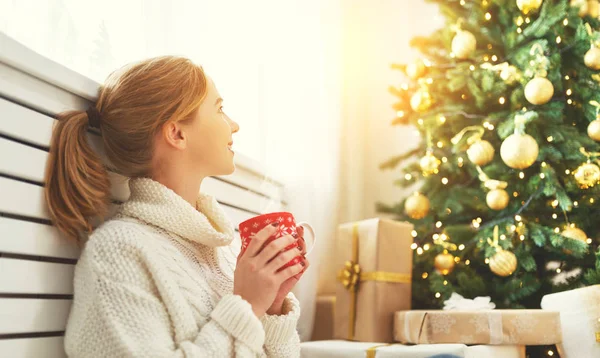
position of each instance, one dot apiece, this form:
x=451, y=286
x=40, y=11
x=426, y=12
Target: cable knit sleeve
x=120, y=311
x=281, y=335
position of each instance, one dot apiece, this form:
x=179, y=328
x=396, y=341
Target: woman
x=159, y=278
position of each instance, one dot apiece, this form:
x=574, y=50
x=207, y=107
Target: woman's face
x=210, y=135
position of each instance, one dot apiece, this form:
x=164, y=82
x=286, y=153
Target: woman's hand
x=289, y=284
x=257, y=277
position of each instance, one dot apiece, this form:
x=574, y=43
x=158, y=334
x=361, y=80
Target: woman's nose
x=234, y=126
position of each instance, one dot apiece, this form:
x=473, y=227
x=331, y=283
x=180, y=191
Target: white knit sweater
x=157, y=281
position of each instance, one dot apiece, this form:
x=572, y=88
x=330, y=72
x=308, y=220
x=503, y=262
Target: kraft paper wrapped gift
x=323, y=324
x=374, y=281
x=495, y=327
x=580, y=318
x=345, y=349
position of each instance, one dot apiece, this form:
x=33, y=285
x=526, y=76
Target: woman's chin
x=231, y=169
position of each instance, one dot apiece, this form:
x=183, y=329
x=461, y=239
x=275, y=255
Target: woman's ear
x=174, y=135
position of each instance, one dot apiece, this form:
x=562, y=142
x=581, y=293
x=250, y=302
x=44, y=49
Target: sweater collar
x=157, y=205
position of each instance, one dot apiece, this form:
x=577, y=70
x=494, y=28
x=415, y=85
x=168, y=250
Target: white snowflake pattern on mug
x=286, y=230
x=255, y=225
x=268, y=221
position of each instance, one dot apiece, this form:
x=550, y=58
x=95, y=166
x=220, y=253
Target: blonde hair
x=133, y=104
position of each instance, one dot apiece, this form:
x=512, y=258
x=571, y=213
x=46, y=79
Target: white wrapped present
x=579, y=315
x=348, y=349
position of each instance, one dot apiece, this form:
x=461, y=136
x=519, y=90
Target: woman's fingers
x=259, y=239
x=274, y=248
x=290, y=271
x=282, y=259
x=306, y=266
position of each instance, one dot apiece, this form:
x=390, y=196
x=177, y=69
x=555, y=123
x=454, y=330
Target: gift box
x=339, y=349
x=374, y=281
x=580, y=319
x=323, y=323
x=495, y=327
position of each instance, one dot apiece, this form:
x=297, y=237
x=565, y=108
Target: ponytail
x=77, y=184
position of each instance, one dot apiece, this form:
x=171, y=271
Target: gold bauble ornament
x=593, y=8
x=444, y=263
x=575, y=234
x=417, y=206
x=529, y=6
x=519, y=151
x=463, y=44
x=582, y=5
x=416, y=69
x=429, y=164
x=497, y=199
x=503, y=263
x=421, y=100
x=481, y=152
x=539, y=90
x=592, y=58
x=587, y=175
x=593, y=130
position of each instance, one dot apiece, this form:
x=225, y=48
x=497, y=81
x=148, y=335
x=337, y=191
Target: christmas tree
x=506, y=98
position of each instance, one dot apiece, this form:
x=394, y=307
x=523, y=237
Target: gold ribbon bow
x=351, y=276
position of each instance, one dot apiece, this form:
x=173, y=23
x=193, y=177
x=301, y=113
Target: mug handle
x=313, y=241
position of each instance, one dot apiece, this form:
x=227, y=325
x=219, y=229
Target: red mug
x=287, y=226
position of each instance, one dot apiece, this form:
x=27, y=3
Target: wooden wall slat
x=47, y=347
x=33, y=93
x=22, y=199
x=22, y=161
x=35, y=277
x=24, y=124
x=22, y=315
x=28, y=238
